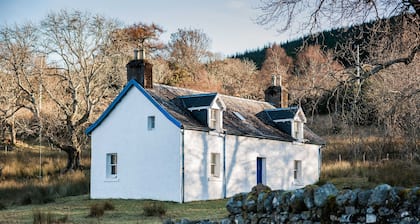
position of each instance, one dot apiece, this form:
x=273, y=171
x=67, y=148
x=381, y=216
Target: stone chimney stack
x=140, y=70
x=276, y=94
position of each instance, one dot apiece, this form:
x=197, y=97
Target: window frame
x=111, y=167
x=151, y=122
x=215, y=169
x=297, y=172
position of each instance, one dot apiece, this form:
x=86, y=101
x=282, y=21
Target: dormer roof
x=284, y=114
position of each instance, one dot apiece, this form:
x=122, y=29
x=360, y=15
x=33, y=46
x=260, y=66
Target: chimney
x=276, y=94
x=140, y=70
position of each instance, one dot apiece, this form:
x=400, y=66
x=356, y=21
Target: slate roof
x=257, y=123
x=282, y=113
x=198, y=100
x=174, y=101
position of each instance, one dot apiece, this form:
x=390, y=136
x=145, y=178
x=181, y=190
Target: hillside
x=327, y=39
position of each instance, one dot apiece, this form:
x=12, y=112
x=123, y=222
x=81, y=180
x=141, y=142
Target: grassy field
x=76, y=209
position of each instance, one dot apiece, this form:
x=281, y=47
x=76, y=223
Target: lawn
x=76, y=209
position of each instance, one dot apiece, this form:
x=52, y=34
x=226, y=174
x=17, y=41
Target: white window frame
x=111, y=165
x=297, y=172
x=215, y=165
x=213, y=118
x=298, y=130
x=151, y=123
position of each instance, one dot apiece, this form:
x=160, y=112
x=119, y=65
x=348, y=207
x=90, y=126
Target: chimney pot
x=136, y=53
x=140, y=70
x=142, y=54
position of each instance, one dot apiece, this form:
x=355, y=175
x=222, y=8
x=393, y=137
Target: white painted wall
x=198, y=146
x=148, y=161
x=241, y=163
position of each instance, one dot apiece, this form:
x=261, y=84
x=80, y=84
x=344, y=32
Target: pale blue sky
x=228, y=23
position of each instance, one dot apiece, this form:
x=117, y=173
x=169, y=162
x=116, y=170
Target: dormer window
x=297, y=130
x=213, y=118
x=289, y=120
x=206, y=108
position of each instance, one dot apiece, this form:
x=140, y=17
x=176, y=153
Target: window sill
x=298, y=183
x=110, y=179
x=215, y=179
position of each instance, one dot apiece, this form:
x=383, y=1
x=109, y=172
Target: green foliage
x=154, y=208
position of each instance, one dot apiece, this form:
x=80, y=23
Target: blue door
x=259, y=170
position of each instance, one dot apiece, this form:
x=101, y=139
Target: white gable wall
x=148, y=163
x=241, y=163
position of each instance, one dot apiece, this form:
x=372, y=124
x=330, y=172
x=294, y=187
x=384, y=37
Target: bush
x=108, y=206
x=154, y=208
x=47, y=218
x=96, y=210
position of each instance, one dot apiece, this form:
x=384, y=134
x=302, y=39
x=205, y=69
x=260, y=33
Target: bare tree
x=188, y=50
x=309, y=16
x=20, y=81
x=79, y=43
x=276, y=63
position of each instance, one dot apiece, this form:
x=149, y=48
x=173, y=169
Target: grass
x=346, y=174
x=77, y=208
x=20, y=183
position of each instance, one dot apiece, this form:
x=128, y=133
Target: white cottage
x=167, y=143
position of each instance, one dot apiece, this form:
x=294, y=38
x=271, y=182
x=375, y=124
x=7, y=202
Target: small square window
x=111, y=165
x=151, y=122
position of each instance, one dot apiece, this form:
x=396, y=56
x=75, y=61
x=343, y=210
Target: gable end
x=130, y=84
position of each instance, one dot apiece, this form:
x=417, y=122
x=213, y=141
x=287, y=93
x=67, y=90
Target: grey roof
x=257, y=123
x=282, y=113
x=198, y=100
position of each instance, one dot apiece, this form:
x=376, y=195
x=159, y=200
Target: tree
x=288, y=15
x=276, y=63
x=188, y=50
x=237, y=78
x=315, y=72
x=20, y=81
x=79, y=44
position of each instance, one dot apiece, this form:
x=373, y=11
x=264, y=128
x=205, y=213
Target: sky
x=230, y=24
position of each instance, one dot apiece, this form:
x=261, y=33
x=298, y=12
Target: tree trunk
x=12, y=133
x=73, y=158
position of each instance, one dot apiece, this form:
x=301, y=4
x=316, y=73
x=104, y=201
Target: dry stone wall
x=326, y=204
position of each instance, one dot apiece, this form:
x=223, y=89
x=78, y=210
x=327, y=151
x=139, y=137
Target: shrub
x=96, y=210
x=154, y=208
x=108, y=206
x=47, y=218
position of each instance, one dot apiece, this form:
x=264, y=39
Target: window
x=297, y=172
x=151, y=122
x=215, y=165
x=298, y=130
x=213, y=118
x=111, y=165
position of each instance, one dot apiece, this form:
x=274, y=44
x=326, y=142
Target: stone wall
x=326, y=204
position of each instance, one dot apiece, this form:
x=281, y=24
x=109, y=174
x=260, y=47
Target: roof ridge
x=223, y=95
